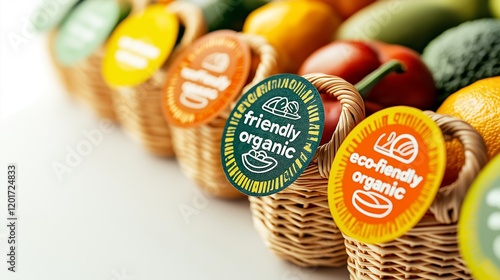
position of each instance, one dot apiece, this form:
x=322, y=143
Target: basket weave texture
x=84, y=79
x=90, y=87
x=296, y=223
x=198, y=148
x=139, y=108
x=429, y=250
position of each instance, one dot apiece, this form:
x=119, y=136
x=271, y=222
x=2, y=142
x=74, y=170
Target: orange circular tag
x=206, y=78
x=386, y=174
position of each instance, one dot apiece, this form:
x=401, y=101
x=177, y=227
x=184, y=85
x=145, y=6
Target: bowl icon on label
x=258, y=161
x=371, y=204
x=281, y=107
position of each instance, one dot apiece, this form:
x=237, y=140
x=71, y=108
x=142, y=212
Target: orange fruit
x=479, y=105
x=346, y=8
x=296, y=28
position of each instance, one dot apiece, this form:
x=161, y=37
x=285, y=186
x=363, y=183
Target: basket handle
x=353, y=112
x=136, y=5
x=268, y=57
x=191, y=16
x=268, y=63
x=448, y=201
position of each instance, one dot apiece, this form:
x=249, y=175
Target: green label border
x=471, y=234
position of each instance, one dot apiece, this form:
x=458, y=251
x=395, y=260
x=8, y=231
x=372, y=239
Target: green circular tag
x=272, y=134
x=479, y=224
x=85, y=29
x=51, y=12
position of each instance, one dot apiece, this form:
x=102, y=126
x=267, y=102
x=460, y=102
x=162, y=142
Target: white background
x=116, y=214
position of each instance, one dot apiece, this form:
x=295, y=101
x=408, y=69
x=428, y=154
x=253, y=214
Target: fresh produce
x=495, y=8
x=464, y=54
x=479, y=105
x=295, y=28
x=468, y=9
x=333, y=108
x=412, y=23
x=226, y=14
x=346, y=8
x=354, y=60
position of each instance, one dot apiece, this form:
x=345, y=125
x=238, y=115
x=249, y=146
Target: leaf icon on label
x=403, y=148
x=258, y=161
x=281, y=107
x=217, y=62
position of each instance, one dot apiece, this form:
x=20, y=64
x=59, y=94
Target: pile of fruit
x=436, y=55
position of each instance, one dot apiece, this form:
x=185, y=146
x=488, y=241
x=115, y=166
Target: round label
x=206, y=78
x=386, y=174
x=272, y=134
x=51, y=12
x=85, y=29
x=139, y=46
x=479, y=224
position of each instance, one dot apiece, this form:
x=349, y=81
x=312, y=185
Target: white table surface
x=116, y=215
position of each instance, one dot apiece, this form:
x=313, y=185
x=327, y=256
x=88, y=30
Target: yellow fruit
x=495, y=8
x=295, y=28
x=479, y=105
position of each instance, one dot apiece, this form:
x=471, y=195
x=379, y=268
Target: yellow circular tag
x=139, y=46
x=479, y=224
x=386, y=174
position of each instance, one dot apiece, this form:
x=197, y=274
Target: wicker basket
x=84, y=80
x=62, y=72
x=139, y=108
x=296, y=223
x=89, y=85
x=198, y=148
x=429, y=250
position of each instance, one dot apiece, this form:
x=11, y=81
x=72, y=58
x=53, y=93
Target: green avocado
x=464, y=54
x=411, y=23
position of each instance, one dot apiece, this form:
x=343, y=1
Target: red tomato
x=332, y=115
x=354, y=60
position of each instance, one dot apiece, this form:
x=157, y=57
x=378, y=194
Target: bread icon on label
x=282, y=107
x=258, y=161
x=371, y=204
x=216, y=62
x=403, y=148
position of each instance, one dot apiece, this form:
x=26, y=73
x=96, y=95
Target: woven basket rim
x=191, y=16
x=352, y=113
x=447, y=203
x=268, y=58
x=136, y=5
